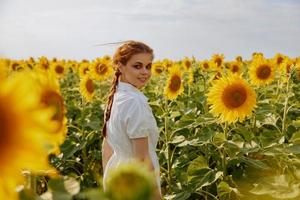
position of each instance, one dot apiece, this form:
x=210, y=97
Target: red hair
x=121, y=56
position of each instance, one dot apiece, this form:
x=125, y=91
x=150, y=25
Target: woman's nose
x=144, y=70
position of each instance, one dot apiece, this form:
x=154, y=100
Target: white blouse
x=131, y=117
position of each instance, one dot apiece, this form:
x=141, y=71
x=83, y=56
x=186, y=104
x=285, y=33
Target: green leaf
x=219, y=139
x=199, y=163
x=254, y=163
x=295, y=139
x=247, y=135
x=296, y=123
x=224, y=190
x=92, y=194
x=295, y=149
x=58, y=190
x=178, y=139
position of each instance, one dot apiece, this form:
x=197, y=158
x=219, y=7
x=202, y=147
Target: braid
x=121, y=56
x=110, y=101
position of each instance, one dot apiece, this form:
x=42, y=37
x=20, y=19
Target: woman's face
x=137, y=71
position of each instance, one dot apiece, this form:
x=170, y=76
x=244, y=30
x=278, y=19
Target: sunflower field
x=228, y=129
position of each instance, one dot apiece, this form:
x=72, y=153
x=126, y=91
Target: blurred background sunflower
x=174, y=86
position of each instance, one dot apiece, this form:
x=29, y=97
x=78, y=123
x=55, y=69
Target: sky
x=73, y=29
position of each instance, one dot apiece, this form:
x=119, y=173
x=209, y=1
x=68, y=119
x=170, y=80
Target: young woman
x=130, y=130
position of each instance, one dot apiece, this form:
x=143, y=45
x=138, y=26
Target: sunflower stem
x=167, y=135
x=224, y=161
x=285, y=110
x=254, y=124
x=84, y=154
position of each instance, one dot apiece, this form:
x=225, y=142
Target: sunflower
x=87, y=88
x=3, y=68
x=286, y=69
x=205, y=65
x=101, y=69
x=187, y=63
x=174, y=85
x=257, y=55
x=239, y=59
x=50, y=97
x=261, y=72
x=157, y=68
x=58, y=68
x=231, y=99
x=131, y=181
x=84, y=69
x=168, y=64
x=43, y=63
x=235, y=67
x=190, y=77
x=73, y=65
x=23, y=129
x=16, y=65
x=217, y=60
x=279, y=59
x=106, y=58
x=297, y=66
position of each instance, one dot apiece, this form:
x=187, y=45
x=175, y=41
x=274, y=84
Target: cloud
x=175, y=28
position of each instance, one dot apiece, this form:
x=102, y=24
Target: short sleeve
x=137, y=123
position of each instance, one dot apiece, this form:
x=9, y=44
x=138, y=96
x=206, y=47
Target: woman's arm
x=107, y=152
x=141, y=153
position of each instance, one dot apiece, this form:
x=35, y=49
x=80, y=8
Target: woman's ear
x=120, y=67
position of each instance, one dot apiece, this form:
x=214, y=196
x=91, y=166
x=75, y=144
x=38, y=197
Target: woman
x=130, y=130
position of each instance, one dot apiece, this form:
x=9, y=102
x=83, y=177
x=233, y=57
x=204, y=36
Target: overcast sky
x=70, y=29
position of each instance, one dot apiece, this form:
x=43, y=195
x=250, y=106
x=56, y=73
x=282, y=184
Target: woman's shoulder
x=131, y=98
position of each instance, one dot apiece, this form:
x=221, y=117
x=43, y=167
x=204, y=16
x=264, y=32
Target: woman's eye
x=137, y=66
x=148, y=66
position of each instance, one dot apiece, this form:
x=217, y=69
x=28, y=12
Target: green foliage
x=199, y=158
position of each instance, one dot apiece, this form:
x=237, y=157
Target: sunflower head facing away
x=231, y=99
x=130, y=182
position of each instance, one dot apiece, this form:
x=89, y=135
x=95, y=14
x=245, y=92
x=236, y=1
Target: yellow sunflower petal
x=24, y=126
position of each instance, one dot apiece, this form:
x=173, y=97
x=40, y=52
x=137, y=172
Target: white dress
x=131, y=117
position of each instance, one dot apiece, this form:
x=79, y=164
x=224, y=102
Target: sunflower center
x=101, y=69
x=218, y=61
x=85, y=70
x=263, y=71
x=288, y=68
x=279, y=60
x=15, y=66
x=52, y=98
x=235, y=68
x=234, y=96
x=45, y=66
x=59, y=69
x=89, y=86
x=175, y=83
x=7, y=125
x=158, y=70
x=205, y=65
x=217, y=76
x=188, y=64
